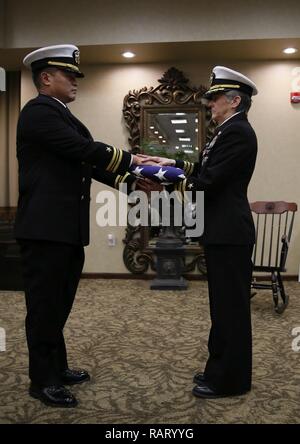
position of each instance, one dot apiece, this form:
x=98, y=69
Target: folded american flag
x=162, y=174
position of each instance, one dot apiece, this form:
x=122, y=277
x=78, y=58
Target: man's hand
x=136, y=160
x=155, y=160
x=142, y=159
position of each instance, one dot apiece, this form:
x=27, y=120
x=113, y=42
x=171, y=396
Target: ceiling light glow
x=290, y=50
x=128, y=54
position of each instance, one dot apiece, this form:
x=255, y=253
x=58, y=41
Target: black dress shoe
x=53, y=395
x=71, y=377
x=199, y=378
x=203, y=391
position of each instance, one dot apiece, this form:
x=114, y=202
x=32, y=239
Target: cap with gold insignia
x=64, y=57
x=224, y=79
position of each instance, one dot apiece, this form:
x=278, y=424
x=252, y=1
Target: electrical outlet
x=111, y=240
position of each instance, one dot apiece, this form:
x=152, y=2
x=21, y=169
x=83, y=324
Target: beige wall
x=275, y=120
x=3, y=151
x=9, y=114
x=93, y=22
x=1, y=24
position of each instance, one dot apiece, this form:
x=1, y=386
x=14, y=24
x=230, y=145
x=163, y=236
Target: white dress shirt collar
x=228, y=118
x=62, y=103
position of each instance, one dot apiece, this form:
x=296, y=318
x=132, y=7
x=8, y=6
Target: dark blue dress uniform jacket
x=223, y=173
x=57, y=159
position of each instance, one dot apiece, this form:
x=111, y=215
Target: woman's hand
x=155, y=160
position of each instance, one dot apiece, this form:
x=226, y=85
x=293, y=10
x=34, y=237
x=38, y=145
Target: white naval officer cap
x=225, y=79
x=64, y=57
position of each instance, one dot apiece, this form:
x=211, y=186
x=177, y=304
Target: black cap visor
x=219, y=91
x=77, y=73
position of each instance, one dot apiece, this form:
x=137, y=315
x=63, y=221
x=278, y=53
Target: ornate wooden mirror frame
x=173, y=94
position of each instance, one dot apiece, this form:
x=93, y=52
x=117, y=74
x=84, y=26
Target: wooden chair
x=273, y=224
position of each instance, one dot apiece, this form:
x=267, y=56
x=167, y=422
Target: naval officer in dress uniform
x=223, y=173
x=57, y=159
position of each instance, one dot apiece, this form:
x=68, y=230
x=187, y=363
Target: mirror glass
x=171, y=133
x=168, y=120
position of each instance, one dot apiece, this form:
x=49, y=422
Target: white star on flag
x=160, y=174
x=190, y=185
x=108, y=149
x=138, y=171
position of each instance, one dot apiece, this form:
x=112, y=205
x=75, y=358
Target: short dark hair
x=246, y=100
x=36, y=75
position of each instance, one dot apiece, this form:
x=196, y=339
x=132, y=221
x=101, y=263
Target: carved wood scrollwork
x=138, y=260
x=173, y=91
x=135, y=258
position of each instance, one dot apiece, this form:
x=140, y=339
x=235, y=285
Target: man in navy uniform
x=57, y=159
x=223, y=173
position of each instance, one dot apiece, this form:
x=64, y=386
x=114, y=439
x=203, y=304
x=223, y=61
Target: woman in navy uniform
x=57, y=159
x=223, y=173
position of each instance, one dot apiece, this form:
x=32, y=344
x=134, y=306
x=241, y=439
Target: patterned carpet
x=142, y=348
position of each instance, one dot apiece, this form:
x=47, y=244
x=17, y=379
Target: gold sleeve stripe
x=176, y=187
x=112, y=161
x=183, y=183
x=188, y=168
x=179, y=189
x=191, y=167
x=123, y=178
x=180, y=186
x=65, y=65
x=118, y=161
x=120, y=179
x=117, y=180
x=183, y=190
